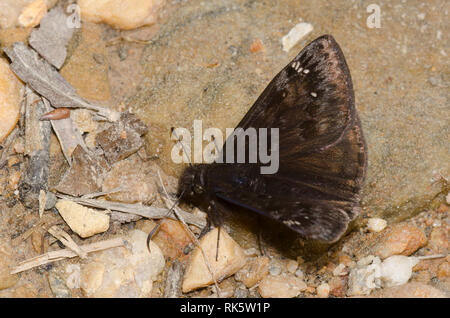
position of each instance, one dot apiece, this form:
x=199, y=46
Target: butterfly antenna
x=172, y=131
x=156, y=228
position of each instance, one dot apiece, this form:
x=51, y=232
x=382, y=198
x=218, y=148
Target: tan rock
x=254, y=270
x=409, y=290
x=92, y=277
x=399, y=239
x=25, y=291
x=281, y=286
x=376, y=224
x=13, y=180
x=88, y=77
x=83, y=221
x=443, y=270
x=10, y=10
x=120, y=14
x=323, y=290
x=6, y=279
x=10, y=97
x=18, y=146
x=291, y=266
x=32, y=14
x=123, y=271
x=174, y=236
x=337, y=287
x=439, y=240
x=231, y=258
x=36, y=241
x=129, y=176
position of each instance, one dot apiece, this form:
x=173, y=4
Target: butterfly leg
x=206, y=229
x=217, y=222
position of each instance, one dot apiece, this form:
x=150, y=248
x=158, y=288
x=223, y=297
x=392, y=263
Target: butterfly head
x=193, y=182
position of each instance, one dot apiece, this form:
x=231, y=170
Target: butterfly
x=322, y=152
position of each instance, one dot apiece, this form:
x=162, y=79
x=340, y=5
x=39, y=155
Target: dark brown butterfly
x=322, y=153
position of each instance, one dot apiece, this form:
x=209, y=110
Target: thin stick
x=137, y=209
x=191, y=234
x=65, y=238
x=99, y=194
x=432, y=256
x=58, y=255
x=27, y=233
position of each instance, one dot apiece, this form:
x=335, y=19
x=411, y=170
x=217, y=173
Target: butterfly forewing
x=316, y=195
x=311, y=100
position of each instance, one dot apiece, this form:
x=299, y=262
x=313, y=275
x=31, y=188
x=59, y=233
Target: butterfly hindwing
x=317, y=199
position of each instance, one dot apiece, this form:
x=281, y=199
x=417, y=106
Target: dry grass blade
x=54, y=256
x=45, y=80
x=137, y=209
x=169, y=203
x=65, y=238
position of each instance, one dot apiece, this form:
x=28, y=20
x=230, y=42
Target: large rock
x=123, y=271
x=10, y=10
x=410, y=290
x=10, y=97
x=6, y=279
x=230, y=259
x=398, y=239
x=282, y=286
x=120, y=14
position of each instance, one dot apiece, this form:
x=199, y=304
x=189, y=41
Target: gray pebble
x=50, y=202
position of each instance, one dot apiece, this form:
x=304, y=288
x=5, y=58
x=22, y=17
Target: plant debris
x=45, y=80
x=51, y=38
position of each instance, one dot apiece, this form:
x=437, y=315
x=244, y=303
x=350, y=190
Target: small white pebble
x=397, y=270
x=376, y=225
x=306, y=71
x=298, y=32
x=323, y=290
x=314, y=94
x=447, y=198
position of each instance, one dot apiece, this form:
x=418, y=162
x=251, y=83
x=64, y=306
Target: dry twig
x=65, y=238
x=137, y=209
x=169, y=203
